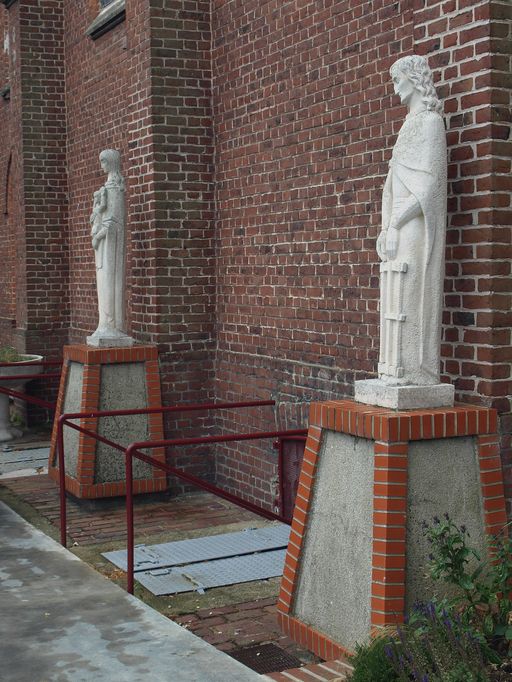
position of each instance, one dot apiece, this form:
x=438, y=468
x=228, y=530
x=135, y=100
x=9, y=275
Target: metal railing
x=133, y=450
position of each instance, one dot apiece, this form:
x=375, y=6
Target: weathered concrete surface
x=123, y=387
x=333, y=592
x=72, y=403
x=443, y=477
x=62, y=621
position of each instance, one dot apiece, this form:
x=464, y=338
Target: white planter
x=8, y=432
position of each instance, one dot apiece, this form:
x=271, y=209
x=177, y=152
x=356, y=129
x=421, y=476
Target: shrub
x=371, y=664
x=485, y=591
x=436, y=646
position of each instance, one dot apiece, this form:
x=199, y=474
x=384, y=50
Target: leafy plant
x=9, y=354
x=485, y=588
x=371, y=664
x=436, y=646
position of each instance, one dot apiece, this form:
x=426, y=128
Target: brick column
x=389, y=533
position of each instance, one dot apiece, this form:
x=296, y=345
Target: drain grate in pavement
x=265, y=658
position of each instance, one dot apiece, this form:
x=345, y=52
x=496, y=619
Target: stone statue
x=108, y=241
x=411, y=247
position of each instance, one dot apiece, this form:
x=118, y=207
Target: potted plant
x=10, y=355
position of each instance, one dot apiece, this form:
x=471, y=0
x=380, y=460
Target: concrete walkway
x=62, y=621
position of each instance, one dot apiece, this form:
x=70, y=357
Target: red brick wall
x=7, y=233
x=11, y=172
x=97, y=96
x=305, y=121
x=34, y=121
x=255, y=138
x=43, y=310
x=171, y=205
x=468, y=43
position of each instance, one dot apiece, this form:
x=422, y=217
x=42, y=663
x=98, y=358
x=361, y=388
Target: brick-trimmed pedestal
x=108, y=379
x=397, y=466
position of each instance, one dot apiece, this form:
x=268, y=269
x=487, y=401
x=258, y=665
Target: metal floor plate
x=200, y=576
x=205, y=548
x=14, y=460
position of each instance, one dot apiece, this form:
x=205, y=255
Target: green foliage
x=436, y=646
x=485, y=588
x=371, y=664
x=453, y=640
x=10, y=354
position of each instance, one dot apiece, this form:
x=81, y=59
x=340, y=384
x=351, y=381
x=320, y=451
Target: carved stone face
x=105, y=166
x=404, y=88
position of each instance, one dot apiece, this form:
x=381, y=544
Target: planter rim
x=27, y=357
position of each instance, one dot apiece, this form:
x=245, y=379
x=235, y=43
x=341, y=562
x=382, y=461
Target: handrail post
x=62, y=480
x=129, y=520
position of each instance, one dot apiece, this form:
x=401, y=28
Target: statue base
x=376, y=392
x=121, y=341
x=97, y=379
x=370, y=476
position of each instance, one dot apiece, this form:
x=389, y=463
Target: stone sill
x=110, y=16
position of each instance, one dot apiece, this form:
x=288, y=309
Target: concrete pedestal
x=356, y=557
x=108, y=379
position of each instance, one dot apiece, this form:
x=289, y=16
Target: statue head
x=110, y=160
x=412, y=73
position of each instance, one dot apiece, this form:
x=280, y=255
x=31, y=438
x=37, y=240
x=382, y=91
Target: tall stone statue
x=411, y=247
x=108, y=241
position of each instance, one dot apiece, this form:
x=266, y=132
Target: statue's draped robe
x=419, y=164
x=110, y=259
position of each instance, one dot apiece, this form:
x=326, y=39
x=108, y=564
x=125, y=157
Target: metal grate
x=266, y=658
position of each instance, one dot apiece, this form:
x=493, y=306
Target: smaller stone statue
x=411, y=248
x=108, y=241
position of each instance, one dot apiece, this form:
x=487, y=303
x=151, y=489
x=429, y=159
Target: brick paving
x=238, y=625
x=252, y=623
x=94, y=522
x=330, y=671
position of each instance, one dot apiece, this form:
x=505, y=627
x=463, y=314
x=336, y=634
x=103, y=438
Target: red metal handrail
x=133, y=450
x=63, y=420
